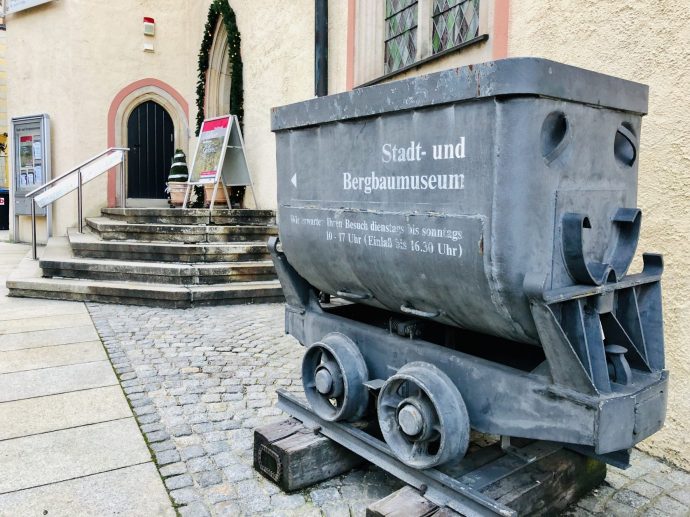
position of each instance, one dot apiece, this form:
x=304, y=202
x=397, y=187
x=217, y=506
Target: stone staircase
x=158, y=257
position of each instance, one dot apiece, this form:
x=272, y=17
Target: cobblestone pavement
x=648, y=488
x=200, y=380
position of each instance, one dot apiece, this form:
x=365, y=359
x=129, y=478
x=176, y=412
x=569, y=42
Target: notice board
x=30, y=137
x=220, y=154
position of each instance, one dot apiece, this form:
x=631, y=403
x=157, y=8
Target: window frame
x=371, y=35
x=410, y=4
x=459, y=7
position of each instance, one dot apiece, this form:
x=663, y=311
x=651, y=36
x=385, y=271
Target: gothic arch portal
x=127, y=100
x=218, y=76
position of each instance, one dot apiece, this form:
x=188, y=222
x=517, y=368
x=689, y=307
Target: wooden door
x=150, y=138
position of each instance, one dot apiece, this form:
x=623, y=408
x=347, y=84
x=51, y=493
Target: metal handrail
x=31, y=195
x=109, y=150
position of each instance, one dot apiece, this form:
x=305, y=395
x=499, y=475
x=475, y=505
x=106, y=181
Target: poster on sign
x=26, y=152
x=219, y=158
x=210, y=150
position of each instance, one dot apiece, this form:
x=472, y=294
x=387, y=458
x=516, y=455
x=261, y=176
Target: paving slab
x=42, y=338
x=38, y=321
x=131, y=491
x=7, y=301
x=51, y=381
x=4, y=270
x=10, y=312
x=47, y=357
x=69, y=444
x=41, y=459
x=11, y=257
x=55, y=412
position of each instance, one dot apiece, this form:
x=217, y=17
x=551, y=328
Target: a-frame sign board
x=219, y=158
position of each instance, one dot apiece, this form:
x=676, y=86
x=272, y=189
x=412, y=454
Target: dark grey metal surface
x=366, y=210
x=516, y=76
x=477, y=212
x=503, y=399
x=321, y=48
x=333, y=375
x=422, y=416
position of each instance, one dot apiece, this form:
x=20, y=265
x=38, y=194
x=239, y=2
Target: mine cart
x=476, y=226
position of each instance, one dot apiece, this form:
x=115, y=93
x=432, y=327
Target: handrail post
x=33, y=229
x=79, y=202
x=123, y=190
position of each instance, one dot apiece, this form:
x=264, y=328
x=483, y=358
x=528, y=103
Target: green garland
x=221, y=9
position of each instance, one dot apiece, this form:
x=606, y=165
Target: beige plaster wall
x=278, y=59
x=278, y=69
x=645, y=41
x=337, y=46
x=88, y=51
x=4, y=170
x=70, y=58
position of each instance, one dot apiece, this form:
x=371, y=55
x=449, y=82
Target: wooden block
x=295, y=457
x=406, y=502
x=445, y=512
x=545, y=487
x=550, y=485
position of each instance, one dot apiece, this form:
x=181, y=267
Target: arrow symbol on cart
x=293, y=180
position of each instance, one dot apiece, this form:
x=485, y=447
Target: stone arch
x=218, y=76
x=126, y=101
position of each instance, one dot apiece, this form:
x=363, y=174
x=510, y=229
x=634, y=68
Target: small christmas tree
x=178, y=171
x=177, y=178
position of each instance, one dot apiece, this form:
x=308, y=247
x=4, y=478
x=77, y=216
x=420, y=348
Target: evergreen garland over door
x=150, y=138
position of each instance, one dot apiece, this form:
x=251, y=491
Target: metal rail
x=77, y=170
x=441, y=489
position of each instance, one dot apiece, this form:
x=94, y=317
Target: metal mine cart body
x=480, y=223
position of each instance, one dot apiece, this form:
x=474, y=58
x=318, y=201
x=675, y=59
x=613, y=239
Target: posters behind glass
x=30, y=173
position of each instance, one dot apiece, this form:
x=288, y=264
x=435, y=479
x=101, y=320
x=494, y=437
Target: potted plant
x=177, y=179
x=220, y=195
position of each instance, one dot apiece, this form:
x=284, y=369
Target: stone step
x=191, y=216
x=89, y=245
x=111, y=229
x=26, y=281
x=58, y=261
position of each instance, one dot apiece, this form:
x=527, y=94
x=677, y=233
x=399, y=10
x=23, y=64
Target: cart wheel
x=423, y=417
x=333, y=376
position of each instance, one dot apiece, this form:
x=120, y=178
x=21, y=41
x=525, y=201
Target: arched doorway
x=222, y=95
x=219, y=76
x=151, y=140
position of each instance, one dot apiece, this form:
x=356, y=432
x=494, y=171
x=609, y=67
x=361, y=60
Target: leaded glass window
x=454, y=22
x=401, y=34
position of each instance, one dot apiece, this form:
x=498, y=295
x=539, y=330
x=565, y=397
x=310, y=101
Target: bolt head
x=324, y=381
x=411, y=420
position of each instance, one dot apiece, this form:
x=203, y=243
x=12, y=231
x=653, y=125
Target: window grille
x=401, y=34
x=453, y=23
